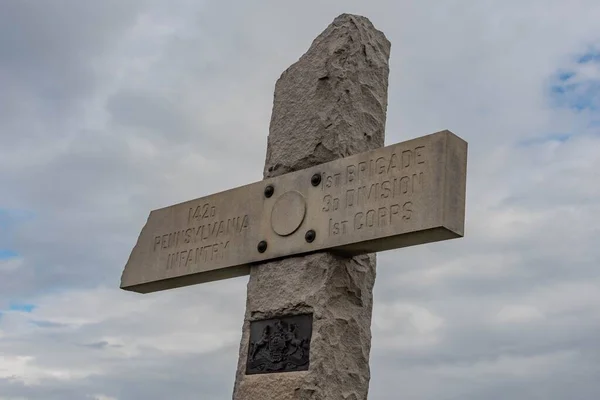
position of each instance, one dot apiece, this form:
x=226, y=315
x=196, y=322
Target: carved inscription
x=205, y=239
x=398, y=196
x=376, y=193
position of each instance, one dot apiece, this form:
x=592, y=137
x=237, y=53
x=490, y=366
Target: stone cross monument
x=331, y=197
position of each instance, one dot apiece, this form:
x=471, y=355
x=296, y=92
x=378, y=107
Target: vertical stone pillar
x=330, y=104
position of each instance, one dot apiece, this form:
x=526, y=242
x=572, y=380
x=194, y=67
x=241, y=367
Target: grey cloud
x=111, y=109
x=147, y=111
x=61, y=36
x=48, y=324
x=97, y=345
x=48, y=51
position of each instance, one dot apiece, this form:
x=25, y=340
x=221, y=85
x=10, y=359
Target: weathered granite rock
x=331, y=103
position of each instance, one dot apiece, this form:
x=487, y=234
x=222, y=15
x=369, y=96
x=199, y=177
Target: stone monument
x=330, y=104
x=331, y=197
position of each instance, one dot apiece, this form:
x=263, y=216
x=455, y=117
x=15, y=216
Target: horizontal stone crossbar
x=400, y=195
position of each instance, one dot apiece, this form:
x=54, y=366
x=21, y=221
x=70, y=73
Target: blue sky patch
x=592, y=56
x=576, y=89
x=565, y=76
x=22, y=307
x=6, y=254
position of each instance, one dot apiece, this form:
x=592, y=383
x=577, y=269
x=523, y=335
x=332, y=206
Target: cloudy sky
x=111, y=108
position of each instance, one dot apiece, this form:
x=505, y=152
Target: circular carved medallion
x=288, y=213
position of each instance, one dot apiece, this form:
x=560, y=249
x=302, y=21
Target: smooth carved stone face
x=288, y=213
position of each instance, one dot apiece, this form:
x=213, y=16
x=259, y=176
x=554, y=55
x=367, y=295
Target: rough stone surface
x=331, y=103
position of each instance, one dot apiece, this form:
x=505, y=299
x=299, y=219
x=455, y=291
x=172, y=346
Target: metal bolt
x=310, y=236
x=315, y=179
x=262, y=246
x=269, y=190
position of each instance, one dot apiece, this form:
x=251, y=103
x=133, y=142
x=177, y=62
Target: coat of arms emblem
x=281, y=347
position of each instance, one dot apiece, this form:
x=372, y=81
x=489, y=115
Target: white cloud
x=103, y=397
x=405, y=326
x=24, y=369
x=10, y=264
x=518, y=314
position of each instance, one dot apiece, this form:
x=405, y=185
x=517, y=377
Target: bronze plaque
x=400, y=195
x=279, y=344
